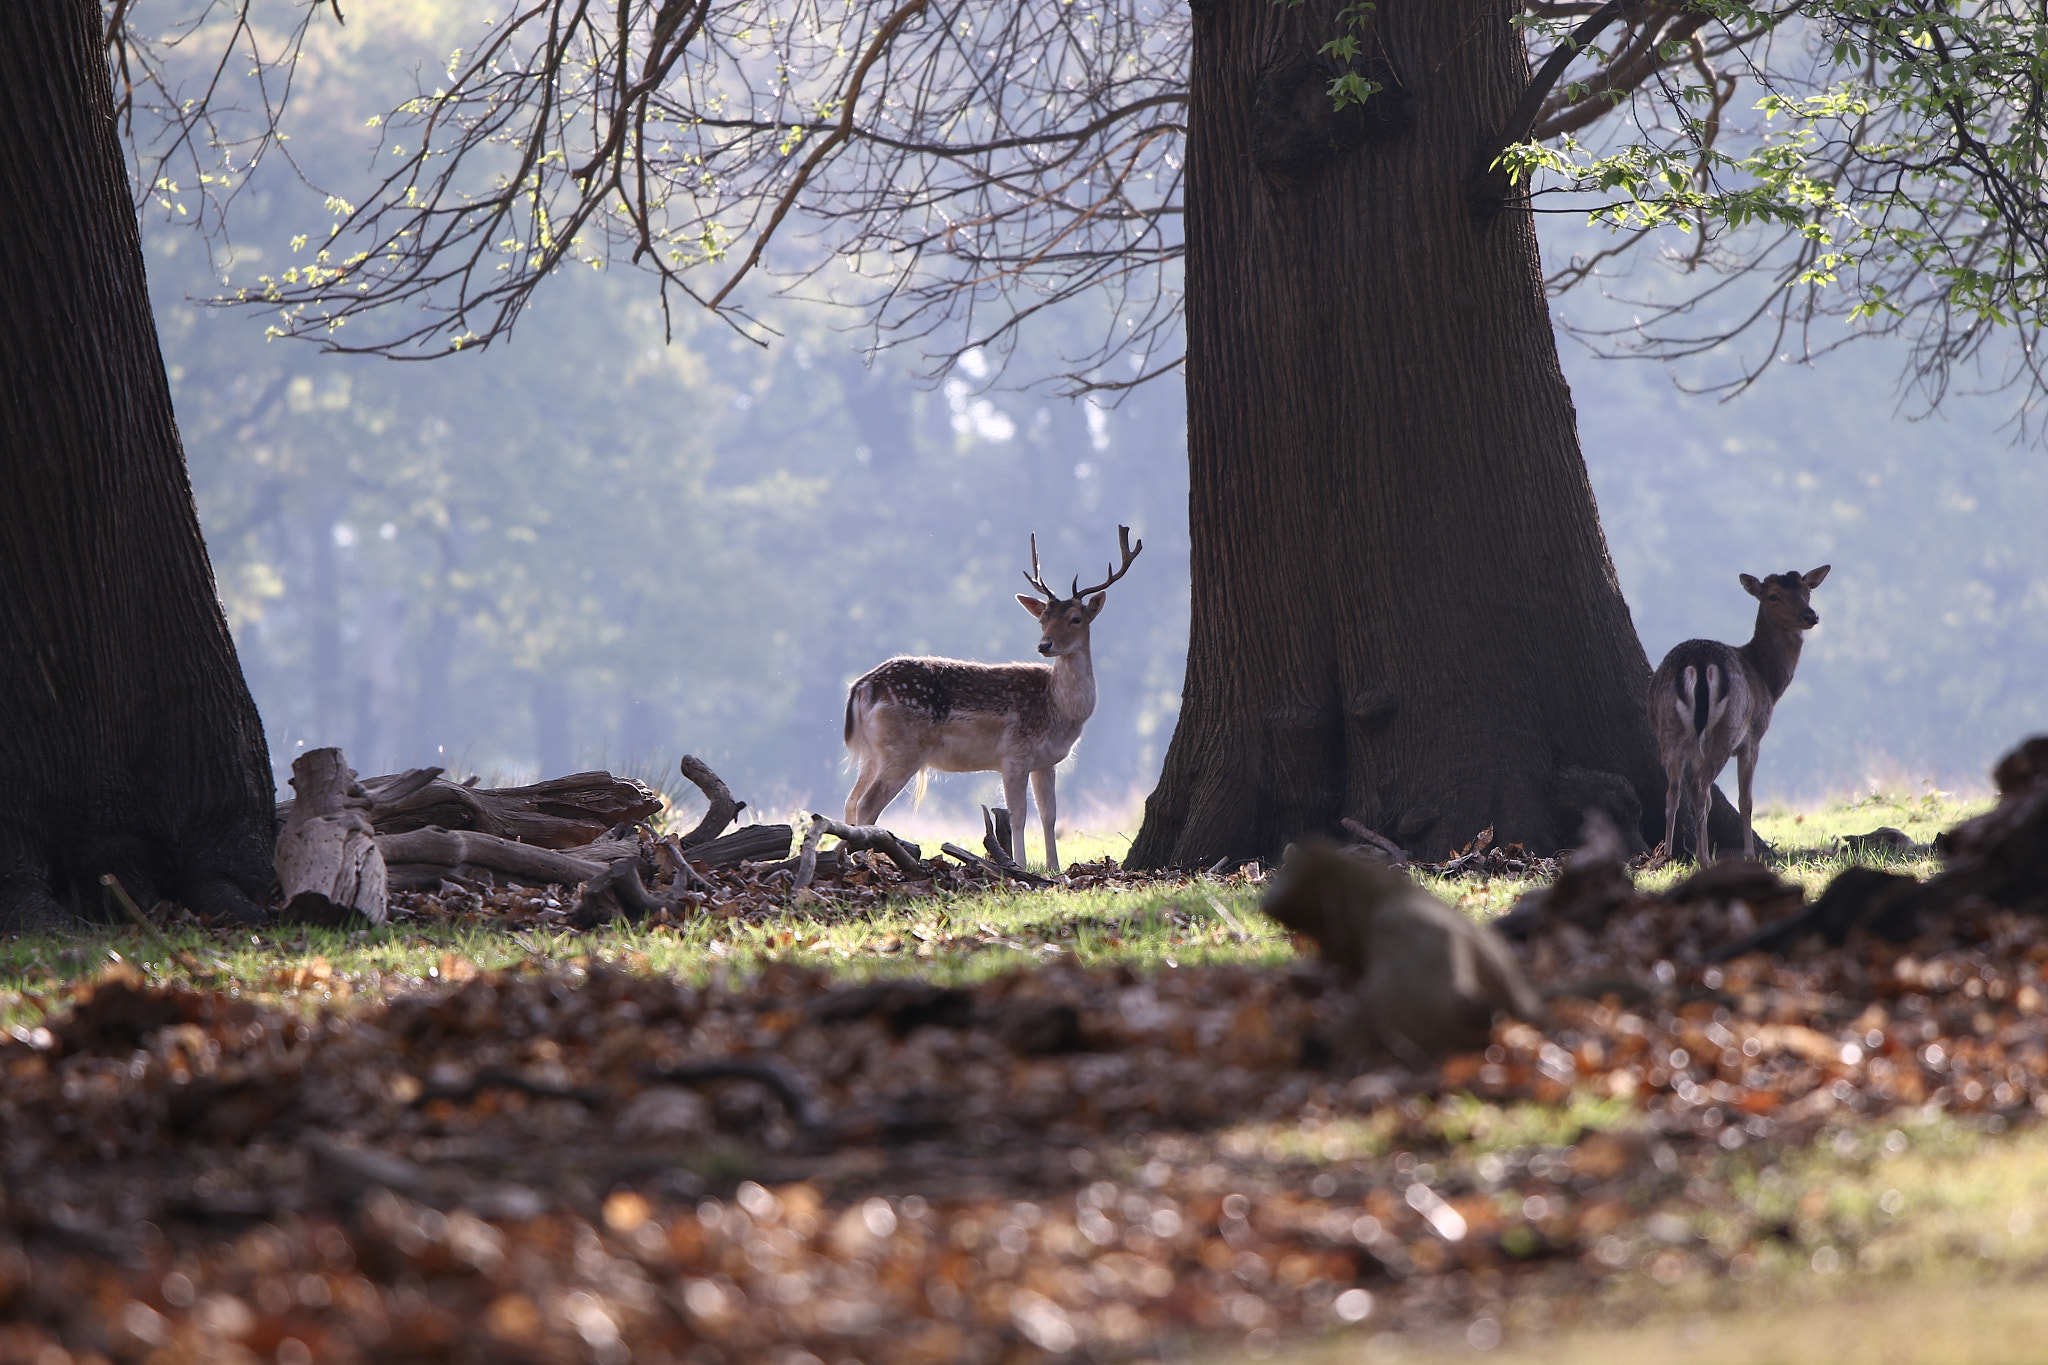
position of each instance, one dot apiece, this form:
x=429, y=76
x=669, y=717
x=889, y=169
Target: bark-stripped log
x=723, y=809
x=560, y=813
x=327, y=860
x=853, y=839
x=422, y=857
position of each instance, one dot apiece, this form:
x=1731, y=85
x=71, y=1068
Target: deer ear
x=1030, y=604
x=1813, y=577
x=1095, y=604
x=1751, y=586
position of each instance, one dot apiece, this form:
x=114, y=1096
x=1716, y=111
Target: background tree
x=130, y=744
x=997, y=157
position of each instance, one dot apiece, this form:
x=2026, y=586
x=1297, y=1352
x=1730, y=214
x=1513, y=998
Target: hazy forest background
x=586, y=548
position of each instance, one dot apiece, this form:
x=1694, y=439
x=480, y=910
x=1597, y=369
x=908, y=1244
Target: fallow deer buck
x=911, y=714
x=1709, y=701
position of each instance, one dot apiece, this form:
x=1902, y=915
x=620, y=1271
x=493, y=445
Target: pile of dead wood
x=1996, y=863
x=1480, y=857
x=344, y=844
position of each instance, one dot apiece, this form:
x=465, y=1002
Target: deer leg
x=1702, y=802
x=889, y=781
x=1674, y=790
x=1048, y=808
x=859, y=792
x=1745, y=769
x=1013, y=797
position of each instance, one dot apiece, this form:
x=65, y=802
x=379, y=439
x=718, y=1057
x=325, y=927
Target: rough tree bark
x=1403, y=607
x=128, y=740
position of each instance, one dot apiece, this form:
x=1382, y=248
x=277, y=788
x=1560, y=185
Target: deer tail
x=851, y=693
x=1708, y=685
x=1698, y=703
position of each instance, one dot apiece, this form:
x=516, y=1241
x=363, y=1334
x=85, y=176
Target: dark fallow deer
x=1019, y=720
x=1710, y=701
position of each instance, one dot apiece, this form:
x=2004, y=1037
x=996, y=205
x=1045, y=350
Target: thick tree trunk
x=128, y=740
x=1403, y=607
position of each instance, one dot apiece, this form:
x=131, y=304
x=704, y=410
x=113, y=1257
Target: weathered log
x=1006, y=868
x=1381, y=848
x=670, y=853
x=428, y=854
x=559, y=813
x=830, y=863
x=997, y=833
x=997, y=836
x=617, y=892
x=722, y=811
x=327, y=860
x=748, y=843
x=854, y=839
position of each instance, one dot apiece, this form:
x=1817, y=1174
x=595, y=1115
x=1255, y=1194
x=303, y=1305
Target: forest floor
x=1087, y=1123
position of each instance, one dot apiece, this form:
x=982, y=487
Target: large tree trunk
x=1403, y=607
x=128, y=740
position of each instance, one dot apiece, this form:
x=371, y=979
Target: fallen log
x=748, y=843
x=427, y=855
x=1374, y=844
x=994, y=869
x=559, y=813
x=327, y=859
x=565, y=824
x=617, y=892
x=854, y=839
x=722, y=811
x=997, y=834
x=670, y=852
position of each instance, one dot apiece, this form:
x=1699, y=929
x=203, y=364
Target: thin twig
x=155, y=935
x=838, y=135
x=1223, y=913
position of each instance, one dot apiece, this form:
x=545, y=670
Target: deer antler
x=1123, y=536
x=1035, y=578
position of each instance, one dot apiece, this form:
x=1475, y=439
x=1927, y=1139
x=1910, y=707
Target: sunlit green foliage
x=1892, y=172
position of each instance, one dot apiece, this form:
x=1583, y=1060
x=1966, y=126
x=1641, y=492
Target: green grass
x=1807, y=843
x=962, y=938
x=959, y=939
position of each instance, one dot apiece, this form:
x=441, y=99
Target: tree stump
x=327, y=857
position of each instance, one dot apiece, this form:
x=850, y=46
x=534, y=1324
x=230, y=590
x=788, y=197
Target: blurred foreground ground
x=1099, y=1122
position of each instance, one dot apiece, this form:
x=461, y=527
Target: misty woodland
x=532, y=831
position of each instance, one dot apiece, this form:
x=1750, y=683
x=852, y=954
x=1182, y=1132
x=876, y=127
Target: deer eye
x=1073, y=620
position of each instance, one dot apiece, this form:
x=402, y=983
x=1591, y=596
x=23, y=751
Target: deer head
x=1786, y=597
x=1064, y=621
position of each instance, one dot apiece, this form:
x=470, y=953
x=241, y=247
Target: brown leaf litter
x=1064, y=1163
